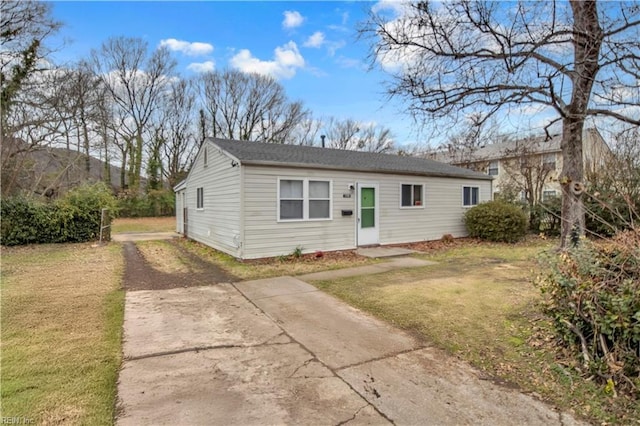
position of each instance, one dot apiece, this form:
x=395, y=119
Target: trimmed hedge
x=72, y=218
x=496, y=221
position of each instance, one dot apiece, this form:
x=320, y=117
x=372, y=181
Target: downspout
x=240, y=250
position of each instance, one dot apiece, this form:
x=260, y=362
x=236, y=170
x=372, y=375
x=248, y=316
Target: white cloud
x=195, y=48
x=292, y=19
x=202, y=66
x=286, y=60
x=394, y=6
x=333, y=47
x=315, y=40
x=345, y=62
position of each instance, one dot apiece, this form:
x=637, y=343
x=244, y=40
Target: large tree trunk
x=86, y=144
x=123, y=171
x=137, y=163
x=571, y=181
x=587, y=43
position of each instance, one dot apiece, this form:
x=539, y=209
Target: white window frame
x=471, y=195
x=305, y=199
x=205, y=158
x=200, y=198
x=547, y=194
x=496, y=168
x=412, y=206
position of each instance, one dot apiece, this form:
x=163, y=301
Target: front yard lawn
x=143, y=224
x=479, y=304
x=62, y=311
x=275, y=267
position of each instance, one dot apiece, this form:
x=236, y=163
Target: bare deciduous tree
x=135, y=80
x=26, y=118
x=356, y=136
x=526, y=171
x=24, y=26
x=249, y=107
x=578, y=58
x=461, y=146
x=178, y=130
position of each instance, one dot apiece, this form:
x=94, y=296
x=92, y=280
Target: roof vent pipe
x=322, y=139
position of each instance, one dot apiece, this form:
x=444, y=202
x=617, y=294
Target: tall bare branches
x=579, y=59
x=249, y=107
x=135, y=80
x=356, y=136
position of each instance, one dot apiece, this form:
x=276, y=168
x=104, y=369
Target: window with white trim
x=470, y=196
x=549, y=195
x=319, y=199
x=494, y=168
x=200, y=198
x=411, y=195
x=205, y=159
x=304, y=199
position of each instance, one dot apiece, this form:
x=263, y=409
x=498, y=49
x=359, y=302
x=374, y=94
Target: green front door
x=368, y=207
x=368, y=214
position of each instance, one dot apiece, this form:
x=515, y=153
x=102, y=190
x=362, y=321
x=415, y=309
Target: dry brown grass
x=277, y=266
x=479, y=303
x=165, y=257
x=143, y=224
x=61, y=326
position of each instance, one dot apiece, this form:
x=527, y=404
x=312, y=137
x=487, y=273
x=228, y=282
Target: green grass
x=479, y=304
x=62, y=313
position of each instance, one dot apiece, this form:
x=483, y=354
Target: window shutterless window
x=549, y=162
x=494, y=168
x=470, y=195
x=319, y=199
x=304, y=199
x=548, y=195
x=199, y=198
x=291, y=199
x=411, y=195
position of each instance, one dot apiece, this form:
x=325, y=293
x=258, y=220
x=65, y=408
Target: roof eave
x=360, y=169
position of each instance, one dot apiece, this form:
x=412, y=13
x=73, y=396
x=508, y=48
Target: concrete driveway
x=279, y=351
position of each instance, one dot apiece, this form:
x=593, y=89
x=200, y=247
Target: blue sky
x=311, y=47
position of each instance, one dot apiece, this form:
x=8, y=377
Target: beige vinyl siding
x=217, y=224
x=265, y=236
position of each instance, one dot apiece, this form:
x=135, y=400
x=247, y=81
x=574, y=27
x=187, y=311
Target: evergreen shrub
x=75, y=217
x=496, y=221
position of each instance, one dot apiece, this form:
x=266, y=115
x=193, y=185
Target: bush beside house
x=496, y=221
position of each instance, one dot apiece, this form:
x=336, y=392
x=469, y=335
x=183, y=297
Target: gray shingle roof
x=313, y=157
x=497, y=151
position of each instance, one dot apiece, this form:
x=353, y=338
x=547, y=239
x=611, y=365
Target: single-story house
x=254, y=200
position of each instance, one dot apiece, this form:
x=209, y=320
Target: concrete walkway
x=278, y=351
x=378, y=252
x=396, y=263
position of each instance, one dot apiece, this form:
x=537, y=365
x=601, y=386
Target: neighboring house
x=531, y=166
x=254, y=200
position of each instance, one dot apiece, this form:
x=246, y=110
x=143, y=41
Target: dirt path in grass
x=140, y=275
